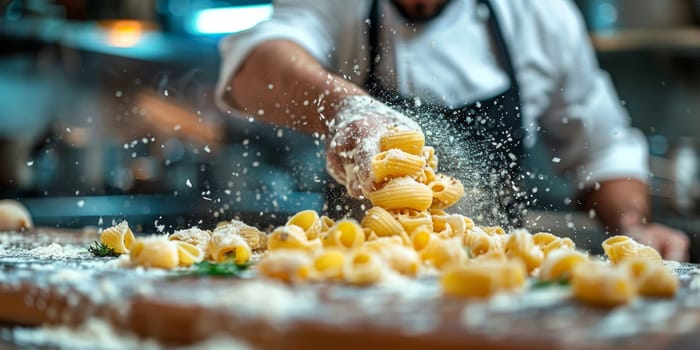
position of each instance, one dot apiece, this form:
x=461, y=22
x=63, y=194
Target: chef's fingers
x=676, y=245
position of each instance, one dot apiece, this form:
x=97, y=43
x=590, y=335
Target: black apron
x=480, y=143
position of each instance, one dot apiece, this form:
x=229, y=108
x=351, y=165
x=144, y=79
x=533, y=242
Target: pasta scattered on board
x=408, y=232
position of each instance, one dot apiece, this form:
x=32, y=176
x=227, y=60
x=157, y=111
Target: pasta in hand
x=403, y=192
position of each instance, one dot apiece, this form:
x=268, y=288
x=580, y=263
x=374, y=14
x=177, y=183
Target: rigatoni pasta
x=362, y=267
x=345, y=233
x=401, y=193
x=193, y=235
x=560, y=264
x=288, y=265
x=255, y=239
x=381, y=222
x=228, y=245
x=396, y=163
x=619, y=248
x=652, y=278
x=602, y=285
x=309, y=221
x=155, y=251
x=328, y=264
x=447, y=191
x=412, y=219
x=188, y=254
x=410, y=141
x=520, y=245
x=291, y=237
x=482, y=279
x=443, y=253
x=118, y=237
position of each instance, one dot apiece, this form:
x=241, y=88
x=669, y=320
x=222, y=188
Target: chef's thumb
x=676, y=252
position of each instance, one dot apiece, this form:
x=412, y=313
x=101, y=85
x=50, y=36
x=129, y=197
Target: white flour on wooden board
x=96, y=334
x=42, y=246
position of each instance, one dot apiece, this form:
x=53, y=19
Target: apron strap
x=373, y=30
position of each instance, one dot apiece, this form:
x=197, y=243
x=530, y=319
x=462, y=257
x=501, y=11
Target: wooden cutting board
x=407, y=314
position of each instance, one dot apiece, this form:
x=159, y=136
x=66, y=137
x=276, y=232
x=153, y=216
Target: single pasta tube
x=118, y=237
x=328, y=264
x=520, y=245
x=402, y=192
x=381, y=222
x=395, y=163
x=194, y=236
x=447, y=191
x=362, y=267
x=188, y=254
x=227, y=246
x=598, y=284
x=421, y=238
x=291, y=237
x=345, y=233
x=560, y=264
x=412, y=219
x=155, y=251
x=410, y=141
x=619, y=248
x=287, y=265
x=309, y=221
x=652, y=278
x=483, y=278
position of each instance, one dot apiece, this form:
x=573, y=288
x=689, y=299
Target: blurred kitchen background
x=106, y=112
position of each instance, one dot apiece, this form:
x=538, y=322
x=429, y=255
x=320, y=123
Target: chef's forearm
x=281, y=83
x=619, y=204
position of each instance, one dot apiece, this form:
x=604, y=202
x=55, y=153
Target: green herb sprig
x=101, y=250
x=206, y=268
x=545, y=284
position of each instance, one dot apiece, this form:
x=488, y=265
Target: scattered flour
x=53, y=250
x=96, y=334
x=270, y=300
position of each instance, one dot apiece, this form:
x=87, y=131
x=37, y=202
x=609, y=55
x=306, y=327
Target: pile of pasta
x=407, y=233
x=232, y=241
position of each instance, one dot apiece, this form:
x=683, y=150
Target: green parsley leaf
x=545, y=284
x=206, y=268
x=100, y=249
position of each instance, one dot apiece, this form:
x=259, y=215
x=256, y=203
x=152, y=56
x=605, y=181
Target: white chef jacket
x=566, y=98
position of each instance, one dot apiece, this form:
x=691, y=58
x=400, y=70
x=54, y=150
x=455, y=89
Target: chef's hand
x=671, y=244
x=355, y=130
